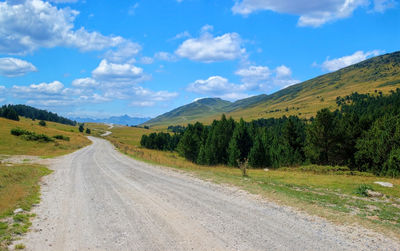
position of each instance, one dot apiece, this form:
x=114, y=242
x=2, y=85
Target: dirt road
x=99, y=199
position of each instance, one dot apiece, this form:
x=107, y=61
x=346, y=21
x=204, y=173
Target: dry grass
x=12, y=145
x=328, y=195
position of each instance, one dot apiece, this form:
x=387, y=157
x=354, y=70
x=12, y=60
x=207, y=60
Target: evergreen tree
x=81, y=128
x=190, y=142
x=240, y=144
x=322, y=138
x=378, y=145
x=219, y=136
x=257, y=155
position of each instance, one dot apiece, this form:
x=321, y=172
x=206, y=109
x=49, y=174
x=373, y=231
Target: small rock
x=384, y=184
x=374, y=194
x=18, y=210
x=266, y=169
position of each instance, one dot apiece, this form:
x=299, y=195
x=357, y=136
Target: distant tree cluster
x=13, y=111
x=363, y=134
x=160, y=141
x=8, y=112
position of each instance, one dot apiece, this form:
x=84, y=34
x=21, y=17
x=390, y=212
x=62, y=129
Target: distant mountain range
x=378, y=74
x=118, y=120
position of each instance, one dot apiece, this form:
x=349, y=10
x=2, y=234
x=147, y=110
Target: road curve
x=100, y=199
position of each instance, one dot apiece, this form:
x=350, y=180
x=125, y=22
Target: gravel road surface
x=100, y=199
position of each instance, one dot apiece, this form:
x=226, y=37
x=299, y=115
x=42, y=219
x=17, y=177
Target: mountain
x=198, y=109
x=119, y=120
x=374, y=75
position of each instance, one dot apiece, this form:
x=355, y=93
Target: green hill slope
x=199, y=109
x=377, y=74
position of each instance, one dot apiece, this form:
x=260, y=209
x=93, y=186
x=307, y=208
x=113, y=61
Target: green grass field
x=12, y=145
x=19, y=188
x=316, y=191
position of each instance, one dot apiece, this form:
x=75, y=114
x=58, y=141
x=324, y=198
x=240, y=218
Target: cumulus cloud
x=28, y=25
x=208, y=48
x=217, y=86
x=338, y=63
x=13, y=67
x=261, y=78
x=55, y=94
x=110, y=72
x=125, y=52
x=85, y=83
x=312, y=13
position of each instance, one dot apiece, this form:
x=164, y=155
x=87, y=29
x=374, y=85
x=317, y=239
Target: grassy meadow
x=19, y=188
x=13, y=145
x=314, y=189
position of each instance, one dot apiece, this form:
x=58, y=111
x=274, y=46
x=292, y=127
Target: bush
x=81, y=128
x=62, y=137
x=37, y=137
x=88, y=131
x=363, y=190
x=31, y=136
x=19, y=132
x=42, y=123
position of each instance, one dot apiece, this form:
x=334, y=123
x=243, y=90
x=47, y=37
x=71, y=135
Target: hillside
x=381, y=73
x=197, y=110
x=13, y=145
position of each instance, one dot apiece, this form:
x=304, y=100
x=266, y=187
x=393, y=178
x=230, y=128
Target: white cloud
x=132, y=9
x=28, y=25
x=41, y=89
x=165, y=56
x=146, y=60
x=338, y=63
x=253, y=75
x=283, y=71
x=312, y=13
x=126, y=51
x=382, y=5
x=209, y=49
x=261, y=78
x=110, y=72
x=63, y=1
x=55, y=94
x=13, y=67
x=184, y=34
x=217, y=86
x=85, y=83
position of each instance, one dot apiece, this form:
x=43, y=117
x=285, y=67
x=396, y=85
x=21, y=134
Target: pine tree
x=257, y=155
x=240, y=144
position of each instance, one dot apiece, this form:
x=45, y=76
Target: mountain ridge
x=381, y=73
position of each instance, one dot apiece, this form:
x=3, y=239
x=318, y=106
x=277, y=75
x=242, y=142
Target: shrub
x=81, y=128
x=37, y=137
x=88, y=131
x=62, y=137
x=31, y=136
x=42, y=123
x=19, y=132
x=363, y=190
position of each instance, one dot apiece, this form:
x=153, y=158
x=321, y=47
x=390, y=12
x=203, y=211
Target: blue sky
x=145, y=57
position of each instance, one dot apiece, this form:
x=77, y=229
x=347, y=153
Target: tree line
x=363, y=133
x=14, y=111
